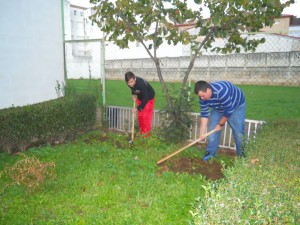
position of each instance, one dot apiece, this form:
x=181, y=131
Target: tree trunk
x=166, y=91
x=162, y=82
x=191, y=65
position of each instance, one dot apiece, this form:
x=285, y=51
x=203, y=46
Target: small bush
x=178, y=130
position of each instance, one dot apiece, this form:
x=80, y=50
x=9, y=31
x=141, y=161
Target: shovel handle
x=132, y=125
x=185, y=147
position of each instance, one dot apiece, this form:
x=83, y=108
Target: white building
x=83, y=44
x=31, y=55
x=84, y=30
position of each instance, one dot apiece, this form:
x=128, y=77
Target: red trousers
x=145, y=117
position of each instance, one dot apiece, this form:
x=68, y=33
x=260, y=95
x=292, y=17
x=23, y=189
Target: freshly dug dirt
x=211, y=170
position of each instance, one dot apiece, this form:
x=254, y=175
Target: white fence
x=120, y=118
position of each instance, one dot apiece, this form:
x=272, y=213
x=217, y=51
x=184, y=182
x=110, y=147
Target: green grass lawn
x=102, y=180
x=263, y=102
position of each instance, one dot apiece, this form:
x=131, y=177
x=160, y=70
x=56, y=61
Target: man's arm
x=144, y=97
x=203, y=127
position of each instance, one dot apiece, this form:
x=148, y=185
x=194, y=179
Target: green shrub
x=177, y=130
x=45, y=122
x=264, y=190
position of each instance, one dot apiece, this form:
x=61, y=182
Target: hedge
x=45, y=122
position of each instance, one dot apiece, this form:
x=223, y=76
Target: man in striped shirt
x=221, y=102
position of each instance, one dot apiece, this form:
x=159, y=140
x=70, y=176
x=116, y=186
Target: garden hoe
x=132, y=126
x=185, y=147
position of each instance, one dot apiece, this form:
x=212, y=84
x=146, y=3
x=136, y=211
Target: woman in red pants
x=144, y=94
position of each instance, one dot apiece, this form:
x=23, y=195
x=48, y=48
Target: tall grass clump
x=262, y=191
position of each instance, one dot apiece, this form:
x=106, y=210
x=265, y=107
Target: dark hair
x=201, y=85
x=128, y=76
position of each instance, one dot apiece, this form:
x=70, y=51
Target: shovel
x=132, y=126
x=185, y=147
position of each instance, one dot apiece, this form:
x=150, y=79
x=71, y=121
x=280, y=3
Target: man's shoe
x=208, y=156
x=241, y=155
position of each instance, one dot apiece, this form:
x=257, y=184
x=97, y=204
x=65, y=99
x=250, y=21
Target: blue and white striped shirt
x=225, y=98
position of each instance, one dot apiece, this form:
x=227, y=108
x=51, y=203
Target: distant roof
x=78, y=7
x=294, y=21
x=286, y=15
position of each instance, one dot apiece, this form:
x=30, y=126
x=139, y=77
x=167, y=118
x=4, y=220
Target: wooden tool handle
x=132, y=124
x=185, y=147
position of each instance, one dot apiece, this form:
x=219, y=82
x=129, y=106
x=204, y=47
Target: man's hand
x=134, y=97
x=134, y=110
x=218, y=127
x=202, y=136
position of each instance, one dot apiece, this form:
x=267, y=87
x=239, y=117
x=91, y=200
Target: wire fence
x=84, y=59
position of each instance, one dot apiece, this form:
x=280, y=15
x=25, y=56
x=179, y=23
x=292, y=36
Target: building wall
x=281, y=26
x=31, y=55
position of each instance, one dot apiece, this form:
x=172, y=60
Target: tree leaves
x=198, y=1
x=128, y=19
x=153, y=22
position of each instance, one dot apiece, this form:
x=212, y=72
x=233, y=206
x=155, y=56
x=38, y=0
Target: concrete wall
x=282, y=68
x=31, y=56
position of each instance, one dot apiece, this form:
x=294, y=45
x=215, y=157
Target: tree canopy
x=153, y=22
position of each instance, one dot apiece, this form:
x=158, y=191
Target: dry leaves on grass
x=252, y=161
x=29, y=172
